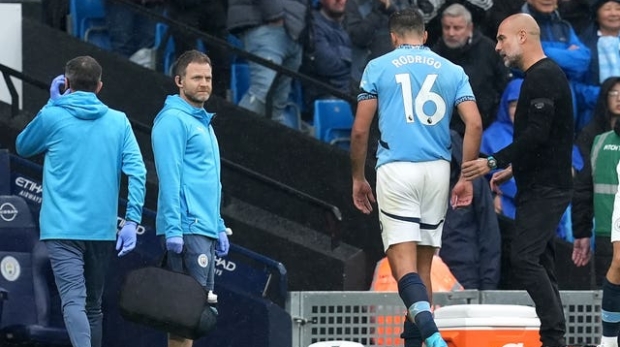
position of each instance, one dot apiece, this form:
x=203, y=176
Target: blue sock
x=411, y=334
x=413, y=293
x=610, y=312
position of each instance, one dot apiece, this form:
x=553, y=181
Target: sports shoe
x=435, y=340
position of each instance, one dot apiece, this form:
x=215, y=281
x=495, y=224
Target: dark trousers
x=603, y=254
x=539, y=210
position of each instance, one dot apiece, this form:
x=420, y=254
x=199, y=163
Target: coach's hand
x=127, y=238
x=470, y=170
x=174, y=244
x=581, y=251
x=222, y=245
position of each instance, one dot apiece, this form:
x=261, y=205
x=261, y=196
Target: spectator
x=187, y=159
x=589, y=203
x=603, y=39
x=477, y=8
x=271, y=30
x=561, y=44
x=471, y=240
x=465, y=46
x=540, y=157
x=131, y=31
x=498, y=136
x=576, y=12
x=332, y=56
x=366, y=21
x=86, y=146
x=498, y=12
x=209, y=17
x=558, y=39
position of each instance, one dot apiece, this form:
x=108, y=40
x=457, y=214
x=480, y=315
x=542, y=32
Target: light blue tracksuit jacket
x=187, y=159
x=86, y=146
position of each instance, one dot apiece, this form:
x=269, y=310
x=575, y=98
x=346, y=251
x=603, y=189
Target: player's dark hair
x=406, y=21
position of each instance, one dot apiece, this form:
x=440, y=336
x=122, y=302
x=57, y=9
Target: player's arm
x=468, y=110
x=366, y=109
x=362, y=193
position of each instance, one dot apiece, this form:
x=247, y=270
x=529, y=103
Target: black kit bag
x=166, y=300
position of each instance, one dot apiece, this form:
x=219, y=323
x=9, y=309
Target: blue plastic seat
x=25, y=270
x=88, y=22
x=239, y=81
x=333, y=121
x=165, y=44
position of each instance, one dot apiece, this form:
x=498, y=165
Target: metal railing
x=332, y=212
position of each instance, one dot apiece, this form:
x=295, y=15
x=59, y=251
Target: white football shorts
x=413, y=200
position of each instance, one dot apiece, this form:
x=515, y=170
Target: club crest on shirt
x=203, y=261
x=617, y=224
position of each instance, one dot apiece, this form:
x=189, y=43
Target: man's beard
x=194, y=98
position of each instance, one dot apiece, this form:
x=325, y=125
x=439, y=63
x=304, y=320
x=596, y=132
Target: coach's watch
x=491, y=163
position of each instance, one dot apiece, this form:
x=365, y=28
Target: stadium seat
x=292, y=116
x=164, y=44
x=88, y=22
x=25, y=274
x=333, y=120
x=239, y=81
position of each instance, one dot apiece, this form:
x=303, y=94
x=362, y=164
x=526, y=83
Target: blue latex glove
x=174, y=244
x=57, y=83
x=222, y=245
x=127, y=238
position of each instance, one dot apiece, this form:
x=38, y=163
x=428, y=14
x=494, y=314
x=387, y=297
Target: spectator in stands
x=604, y=195
x=209, y=17
x=499, y=11
x=471, y=240
x=589, y=200
x=576, y=12
x=500, y=135
x=558, y=39
x=540, y=157
x=187, y=160
x=86, y=146
x=561, y=44
x=366, y=21
x=413, y=166
x=603, y=39
x=129, y=30
x=332, y=55
x=270, y=30
x=477, y=8
x=465, y=46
